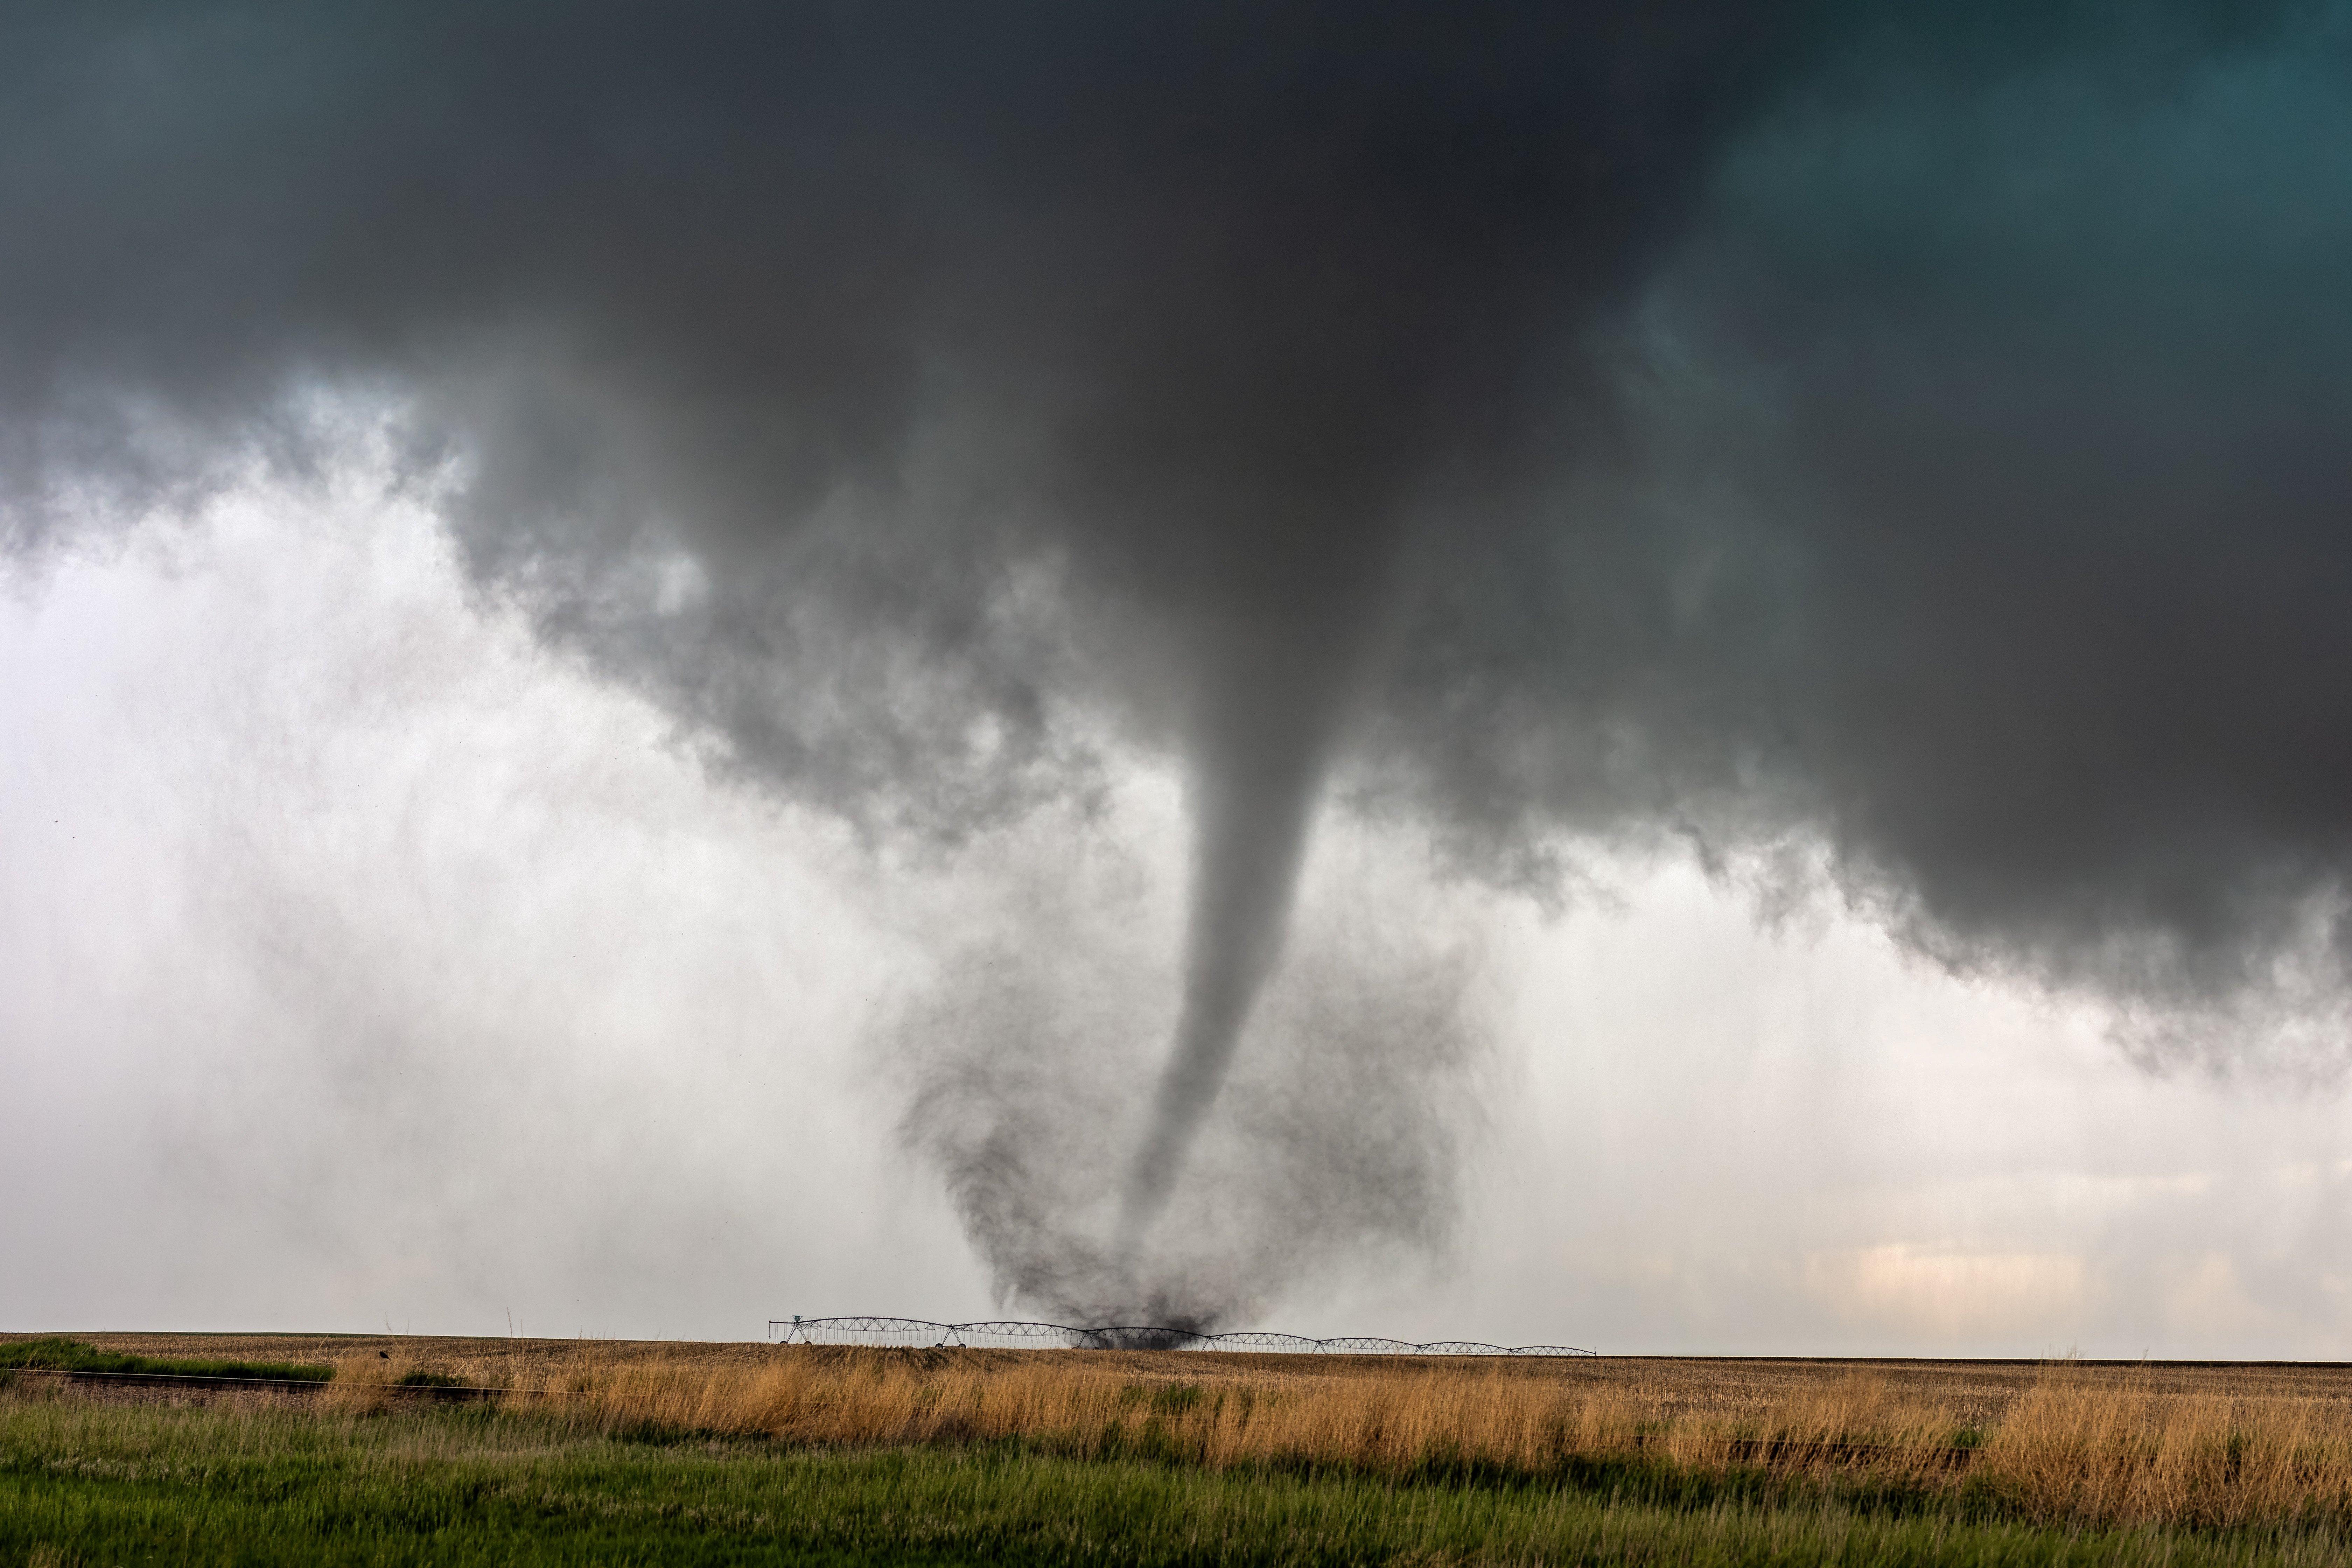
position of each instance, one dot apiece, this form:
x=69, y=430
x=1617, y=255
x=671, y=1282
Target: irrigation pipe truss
x=1062, y=1336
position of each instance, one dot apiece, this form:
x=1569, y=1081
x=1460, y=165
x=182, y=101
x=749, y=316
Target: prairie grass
x=2076, y=1444
x=202, y=1478
x=2065, y=1445
x=54, y=1352
x=2116, y=1447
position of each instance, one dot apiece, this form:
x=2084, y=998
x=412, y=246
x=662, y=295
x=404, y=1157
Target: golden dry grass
x=2065, y=1441
x=2081, y=1444
x=2119, y=1446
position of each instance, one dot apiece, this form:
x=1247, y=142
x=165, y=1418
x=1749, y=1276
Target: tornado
x=1259, y=751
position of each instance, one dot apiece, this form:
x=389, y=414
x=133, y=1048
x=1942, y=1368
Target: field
x=464, y=1451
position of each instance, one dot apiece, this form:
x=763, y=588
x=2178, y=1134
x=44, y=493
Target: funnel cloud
x=1905, y=447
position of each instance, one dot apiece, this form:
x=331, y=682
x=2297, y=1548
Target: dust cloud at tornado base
x=1337, y=1150
x=1899, y=451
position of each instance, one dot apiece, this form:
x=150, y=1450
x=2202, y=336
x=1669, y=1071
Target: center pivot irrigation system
x=915, y=1331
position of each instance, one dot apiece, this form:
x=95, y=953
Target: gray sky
x=1672, y=675
x=370, y=964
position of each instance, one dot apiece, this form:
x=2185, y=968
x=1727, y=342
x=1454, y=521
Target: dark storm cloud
x=1758, y=423
x=866, y=309
x=1995, y=526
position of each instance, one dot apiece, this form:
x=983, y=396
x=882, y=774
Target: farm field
x=701, y=1453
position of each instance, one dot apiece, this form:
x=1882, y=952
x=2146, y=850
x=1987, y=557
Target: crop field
x=425, y=1450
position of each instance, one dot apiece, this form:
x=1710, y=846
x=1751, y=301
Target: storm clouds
x=1902, y=452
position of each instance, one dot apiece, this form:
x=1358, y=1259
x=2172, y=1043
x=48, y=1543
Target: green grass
x=427, y=1380
x=94, y=1483
x=59, y=1354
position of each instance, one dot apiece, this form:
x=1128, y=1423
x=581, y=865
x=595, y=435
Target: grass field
x=56, y=1353
x=696, y=1454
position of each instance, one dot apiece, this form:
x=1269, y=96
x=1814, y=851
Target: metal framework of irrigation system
x=1062, y=1336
